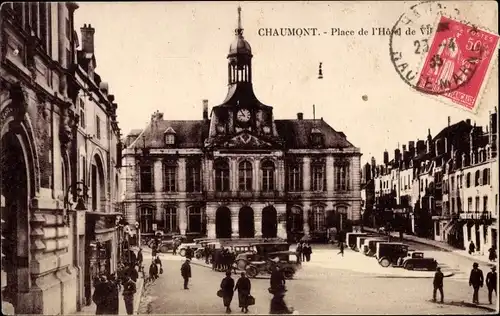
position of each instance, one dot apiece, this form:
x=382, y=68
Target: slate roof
x=191, y=134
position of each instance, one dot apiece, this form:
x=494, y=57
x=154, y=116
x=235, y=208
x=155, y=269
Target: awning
x=453, y=228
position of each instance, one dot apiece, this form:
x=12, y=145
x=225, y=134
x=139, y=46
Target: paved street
x=320, y=287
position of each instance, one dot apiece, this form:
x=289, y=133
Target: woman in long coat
x=243, y=286
x=227, y=286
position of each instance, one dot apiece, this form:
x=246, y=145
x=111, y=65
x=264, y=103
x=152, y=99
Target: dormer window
x=316, y=137
x=169, y=136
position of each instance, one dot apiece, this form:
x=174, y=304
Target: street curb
x=138, y=296
x=392, y=276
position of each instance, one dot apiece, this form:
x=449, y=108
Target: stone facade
x=41, y=259
x=239, y=173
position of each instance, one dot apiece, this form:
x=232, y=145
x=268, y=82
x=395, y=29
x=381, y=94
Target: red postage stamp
x=457, y=63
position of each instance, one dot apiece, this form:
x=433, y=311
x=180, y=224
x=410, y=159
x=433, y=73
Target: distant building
x=239, y=173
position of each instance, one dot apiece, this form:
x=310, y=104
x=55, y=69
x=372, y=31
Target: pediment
x=246, y=140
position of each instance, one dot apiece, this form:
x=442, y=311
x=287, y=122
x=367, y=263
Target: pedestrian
x=277, y=279
x=493, y=254
x=278, y=305
x=153, y=271
x=341, y=249
x=438, y=284
x=303, y=252
x=100, y=295
x=226, y=287
x=215, y=259
x=298, y=250
x=132, y=272
x=113, y=296
x=476, y=281
x=491, y=282
x=307, y=251
x=139, y=259
x=129, y=289
x=206, y=254
x=243, y=286
x=157, y=261
x=189, y=253
x=186, y=272
x=472, y=247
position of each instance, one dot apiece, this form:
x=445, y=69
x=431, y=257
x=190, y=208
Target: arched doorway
x=246, y=222
x=269, y=222
x=98, y=185
x=223, y=223
x=294, y=222
x=14, y=202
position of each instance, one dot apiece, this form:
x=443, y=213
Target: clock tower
x=241, y=111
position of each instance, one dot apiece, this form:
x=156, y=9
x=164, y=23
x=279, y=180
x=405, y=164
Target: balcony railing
x=475, y=215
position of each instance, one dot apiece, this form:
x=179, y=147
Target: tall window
x=477, y=178
x=267, y=176
x=485, y=203
x=297, y=219
x=146, y=178
x=98, y=127
x=452, y=205
x=459, y=204
x=195, y=219
x=221, y=176
x=342, y=176
x=294, y=177
x=317, y=221
x=452, y=183
x=82, y=112
x=43, y=7
x=146, y=221
x=486, y=176
x=477, y=204
x=318, y=176
x=170, y=215
x=245, y=176
x=193, y=175
x=469, y=204
x=467, y=180
x=170, y=177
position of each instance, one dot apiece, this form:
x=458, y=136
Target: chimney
x=87, y=38
x=205, y=109
x=386, y=157
x=449, y=120
x=104, y=87
x=467, y=121
x=411, y=147
x=397, y=155
x=420, y=147
x=300, y=116
x=404, y=148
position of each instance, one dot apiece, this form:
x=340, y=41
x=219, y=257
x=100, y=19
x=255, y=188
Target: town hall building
x=238, y=172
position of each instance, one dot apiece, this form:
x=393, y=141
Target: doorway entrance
x=223, y=223
x=269, y=222
x=246, y=222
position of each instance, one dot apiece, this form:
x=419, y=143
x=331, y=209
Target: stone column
x=182, y=213
x=258, y=221
x=305, y=214
x=329, y=174
x=256, y=175
x=234, y=221
x=210, y=221
x=482, y=241
x=181, y=175
x=158, y=175
x=233, y=174
x=280, y=176
x=306, y=167
x=281, y=213
x=354, y=176
x=208, y=179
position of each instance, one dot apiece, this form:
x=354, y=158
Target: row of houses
x=60, y=161
x=443, y=188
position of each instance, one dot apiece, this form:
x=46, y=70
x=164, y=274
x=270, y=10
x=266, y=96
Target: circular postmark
x=430, y=48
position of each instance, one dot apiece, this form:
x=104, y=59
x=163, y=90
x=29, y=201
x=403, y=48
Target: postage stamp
x=438, y=52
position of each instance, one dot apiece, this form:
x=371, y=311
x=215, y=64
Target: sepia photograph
x=249, y=157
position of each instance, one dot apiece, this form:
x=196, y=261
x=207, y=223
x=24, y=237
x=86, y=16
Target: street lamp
x=81, y=193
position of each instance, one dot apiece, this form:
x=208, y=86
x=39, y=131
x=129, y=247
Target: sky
x=169, y=56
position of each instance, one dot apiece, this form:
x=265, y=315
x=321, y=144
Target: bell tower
x=239, y=58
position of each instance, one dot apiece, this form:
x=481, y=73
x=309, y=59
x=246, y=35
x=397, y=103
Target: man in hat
x=438, y=284
x=476, y=280
x=278, y=305
x=186, y=272
x=491, y=282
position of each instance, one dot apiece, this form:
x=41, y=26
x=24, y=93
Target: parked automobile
x=388, y=253
x=365, y=249
x=360, y=241
x=371, y=248
x=181, y=250
x=259, y=252
x=166, y=243
x=351, y=239
x=198, y=253
x=286, y=260
x=416, y=260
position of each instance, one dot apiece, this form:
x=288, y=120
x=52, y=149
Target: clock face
x=266, y=129
x=243, y=115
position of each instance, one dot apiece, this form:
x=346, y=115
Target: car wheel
x=182, y=252
x=384, y=262
x=197, y=255
x=288, y=273
x=409, y=266
x=252, y=271
x=164, y=249
x=241, y=264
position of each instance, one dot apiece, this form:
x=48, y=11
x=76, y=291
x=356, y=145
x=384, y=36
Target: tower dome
x=239, y=46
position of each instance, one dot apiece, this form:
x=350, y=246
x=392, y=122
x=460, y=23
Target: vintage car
x=360, y=241
x=370, y=244
x=350, y=239
x=181, y=250
x=165, y=243
x=416, y=260
x=388, y=253
x=198, y=253
x=259, y=252
x=286, y=260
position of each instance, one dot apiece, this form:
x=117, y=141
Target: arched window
x=486, y=176
x=245, y=176
x=170, y=220
x=467, y=180
x=267, y=176
x=195, y=219
x=146, y=220
x=221, y=176
x=477, y=178
x=317, y=218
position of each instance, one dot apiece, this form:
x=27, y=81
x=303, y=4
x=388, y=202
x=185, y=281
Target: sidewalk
x=438, y=244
